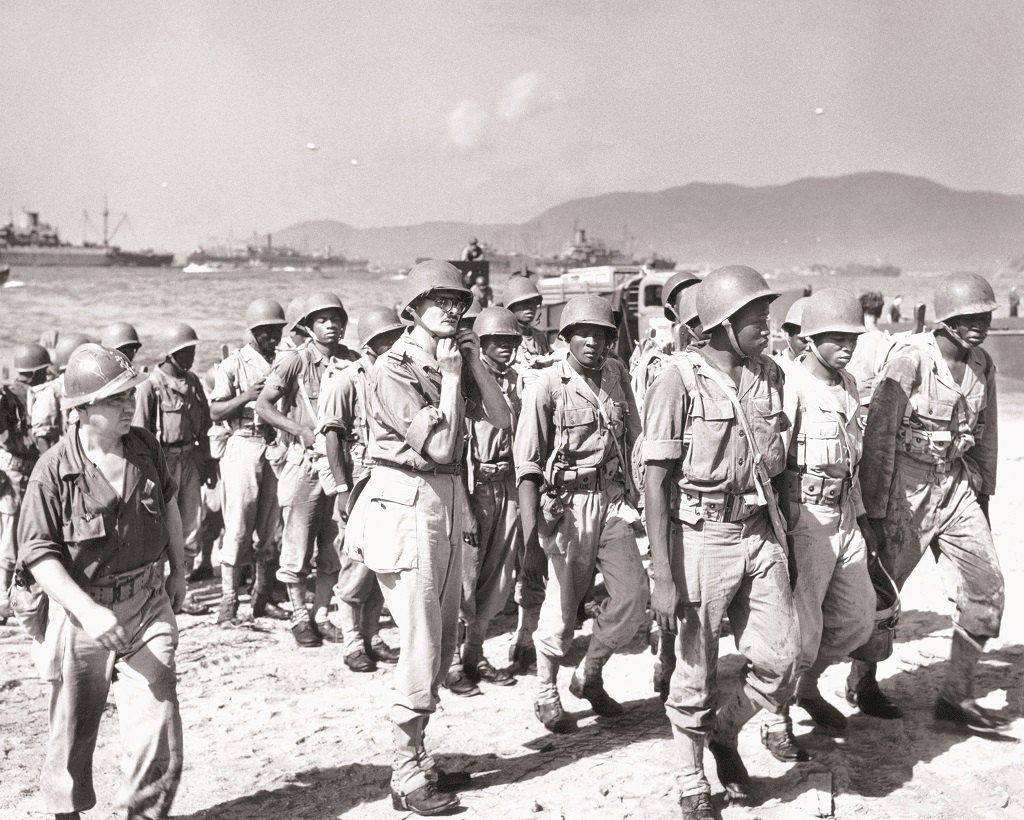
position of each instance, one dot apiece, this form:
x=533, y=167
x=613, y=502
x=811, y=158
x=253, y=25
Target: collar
x=73, y=464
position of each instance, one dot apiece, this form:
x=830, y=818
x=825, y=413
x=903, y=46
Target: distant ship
x=33, y=243
x=275, y=257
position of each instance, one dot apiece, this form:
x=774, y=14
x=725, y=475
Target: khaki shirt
x=565, y=426
x=46, y=420
x=342, y=407
x=71, y=512
x=236, y=374
x=717, y=456
x=174, y=409
x=306, y=367
x=825, y=438
x=534, y=344
x=917, y=393
x=490, y=444
x=402, y=405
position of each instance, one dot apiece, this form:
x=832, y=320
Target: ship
x=274, y=257
x=33, y=243
x=581, y=252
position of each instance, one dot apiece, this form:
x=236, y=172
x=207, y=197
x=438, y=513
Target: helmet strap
x=733, y=342
x=817, y=355
x=954, y=336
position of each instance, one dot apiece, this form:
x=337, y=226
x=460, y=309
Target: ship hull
x=71, y=257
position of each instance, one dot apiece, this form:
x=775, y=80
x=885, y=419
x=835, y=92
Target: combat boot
x=548, y=706
x=698, y=807
x=863, y=692
x=731, y=771
x=377, y=649
x=263, y=606
x=426, y=801
x=302, y=625
x=777, y=738
x=230, y=579
x=590, y=686
x=956, y=705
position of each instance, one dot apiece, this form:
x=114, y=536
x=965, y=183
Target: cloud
x=526, y=94
x=466, y=124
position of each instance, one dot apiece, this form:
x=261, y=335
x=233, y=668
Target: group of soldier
x=455, y=460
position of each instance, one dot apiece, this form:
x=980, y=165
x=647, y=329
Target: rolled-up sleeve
x=225, y=381
x=40, y=529
x=402, y=407
x=665, y=409
x=534, y=431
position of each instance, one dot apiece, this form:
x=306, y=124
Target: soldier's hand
x=664, y=602
x=307, y=437
x=341, y=504
x=254, y=391
x=102, y=626
x=449, y=360
x=470, y=528
x=175, y=585
x=469, y=344
x=534, y=561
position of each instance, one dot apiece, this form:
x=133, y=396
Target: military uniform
x=113, y=547
x=305, y=507
x=406, y=526
x=930, y=448
x=18, y=456
x=724, y=556
x=534, y=345
x=578, y=443
x=342, y=407
x=494, y=501
x=249, y=483
x=47, y=420
x=834, y=597
x=175, y=410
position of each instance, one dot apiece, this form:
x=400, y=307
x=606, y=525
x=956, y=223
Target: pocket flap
x=717, y=409
x=578, y=416
x=84, y=528
x=821, y=430
x=397, y=493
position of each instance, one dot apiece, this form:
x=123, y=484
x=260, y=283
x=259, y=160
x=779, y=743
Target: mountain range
x=871, y=218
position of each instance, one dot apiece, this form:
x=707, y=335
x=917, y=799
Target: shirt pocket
x=86, y=526
x=580, y=424
x=823, y=445
x=708, y=456
x=389, y=529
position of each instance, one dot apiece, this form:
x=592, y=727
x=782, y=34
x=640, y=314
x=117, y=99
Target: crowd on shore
x=460, y=458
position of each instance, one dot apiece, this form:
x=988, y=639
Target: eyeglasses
x=451, y=304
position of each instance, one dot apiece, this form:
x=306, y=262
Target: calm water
x=86, y=299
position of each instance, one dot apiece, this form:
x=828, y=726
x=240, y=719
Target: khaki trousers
x=184, y=469
x=250, y=501
x=309, y=524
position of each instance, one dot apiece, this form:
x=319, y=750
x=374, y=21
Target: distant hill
x=870, y=218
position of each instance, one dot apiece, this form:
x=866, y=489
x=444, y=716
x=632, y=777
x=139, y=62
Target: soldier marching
x=462, y=457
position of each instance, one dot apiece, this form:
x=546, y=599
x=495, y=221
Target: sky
x=198, y=118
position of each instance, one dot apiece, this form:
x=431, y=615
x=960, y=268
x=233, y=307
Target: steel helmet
x=263, y=312
x=322, y=300
x=687, y=313
x=795, y=314
x=177, y=337
x=496, y=321
x=474, y=310
x=961, y=294
x=587, y=309
x=521, y=289
x=66, y=345
x=30, y=358
x=832, y=310
x=726, y=290
x=675, y=283
x=294, y=312
x=118, y=335
x=376, y=321
x=429, y=275
x=96, y=372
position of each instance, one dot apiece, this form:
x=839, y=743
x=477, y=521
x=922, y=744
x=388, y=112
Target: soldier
x=294, y=335
x=928, y=471
x=406, y=521
x=572, y=445
x=833, y=594
x=715, y=455
x=343, y=426
x=492, y=536
x=795, y=343
x=98, y=526
x=472, y=251
x=47, y=416
x=523, y=298
x=872, y=348
x=172, y=405
x=123, y=337
x=18, y=454
x=306, y=509
x=249, y=498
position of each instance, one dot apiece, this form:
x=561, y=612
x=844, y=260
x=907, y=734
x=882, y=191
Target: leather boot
x=862, y=691
x=548, y=706
x=731, y=771
x=777, y=738
x=406, y=767
x=736, y=709
x=356, y=657
x=302, y=626
x=698, y=807
x=587, y=682
x=956, y=704
x=263, y=605
x=230, y=580
x=696, y=791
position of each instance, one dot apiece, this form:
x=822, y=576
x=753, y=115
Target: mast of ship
x=106, y=220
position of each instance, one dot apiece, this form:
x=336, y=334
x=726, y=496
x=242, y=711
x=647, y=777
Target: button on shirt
x=562, y=423
x=402, y=405
x=342, y=407
x=71, y=512
x=718, y=456
x=236, y=374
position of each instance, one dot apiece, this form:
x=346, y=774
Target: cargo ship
x=33, y=243
x=274, y=257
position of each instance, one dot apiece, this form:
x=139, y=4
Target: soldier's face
x=972, y=328
x=589, y=344
x=111, y=416
x=383, y=343
x=129, y=351
x=836, y=349
x=185, y=357
x=500, y=348
x=267, y=338
x=750, y=324
x=796, y=342
x=441, y=311
x=525, y=312
x=327, y=326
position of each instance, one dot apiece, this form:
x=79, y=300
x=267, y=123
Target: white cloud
x=466, y=124
x=519, y=93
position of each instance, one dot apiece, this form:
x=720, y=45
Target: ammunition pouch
x=487, y=471
x=805, y=488
x=724, y=508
